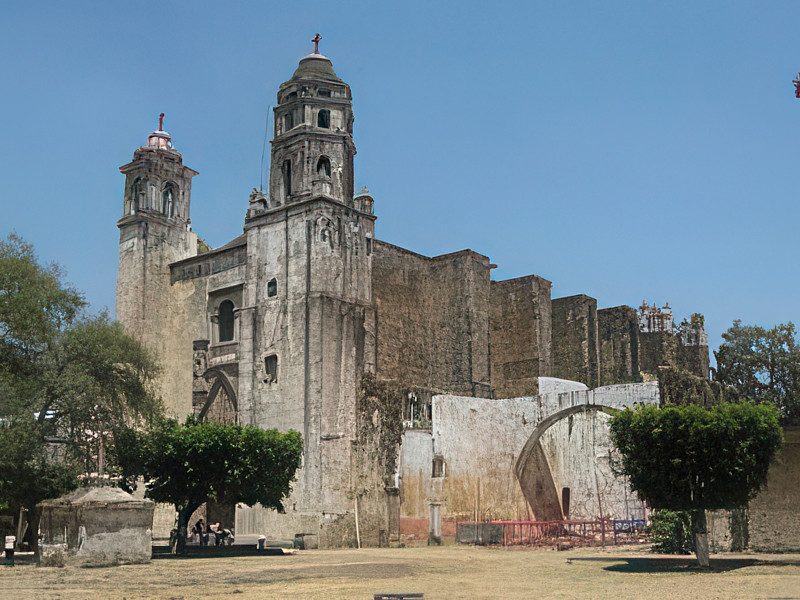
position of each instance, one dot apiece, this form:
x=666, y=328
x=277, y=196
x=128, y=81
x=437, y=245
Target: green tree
x=35, y=308
x=98, y=379
x=31, y=470
x=66, y=381
x=696, y=459
x=187, y=465
x=671, y=532
x=762, y=364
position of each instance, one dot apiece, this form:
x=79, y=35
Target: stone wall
x=96, y=527
x=694, y=359
x=519, y=331
x=618, y=336
x=319, y=325
x=774, y=513
x=480, y=440
x=656, y=349
x=432, y=319
x=147, y=308
x=575, y=348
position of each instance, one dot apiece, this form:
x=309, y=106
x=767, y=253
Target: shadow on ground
x=655, y=564
x=215, y=552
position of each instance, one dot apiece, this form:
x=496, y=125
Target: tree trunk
x=34, y=516
x=178, y=541
x=700, y=531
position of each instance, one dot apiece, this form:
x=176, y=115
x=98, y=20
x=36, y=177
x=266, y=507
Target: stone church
x=278, y=327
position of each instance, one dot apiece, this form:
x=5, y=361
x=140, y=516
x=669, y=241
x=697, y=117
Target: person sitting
x=221, y=535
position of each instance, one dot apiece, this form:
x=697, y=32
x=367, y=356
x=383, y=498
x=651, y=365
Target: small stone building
x=96, y=526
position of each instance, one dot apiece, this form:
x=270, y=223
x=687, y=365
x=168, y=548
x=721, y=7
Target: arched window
x=324, y=166
x=168, y=196
x=136, y=192
x=288, y=121
x=324, y=119
x=225, y=321
x=287, y=178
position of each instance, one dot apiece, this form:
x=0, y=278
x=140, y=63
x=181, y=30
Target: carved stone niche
x=327, y=232
x=199, y=358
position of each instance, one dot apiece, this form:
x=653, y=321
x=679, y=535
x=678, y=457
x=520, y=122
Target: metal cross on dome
x=796, y=83
x=318, y=37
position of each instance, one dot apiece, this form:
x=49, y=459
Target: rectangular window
x=287, y=178
x=272, y=288
x=271, y=369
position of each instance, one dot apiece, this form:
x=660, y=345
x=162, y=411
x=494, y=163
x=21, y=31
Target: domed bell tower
x=312, y=151
x=308, y=312
x=154, y=232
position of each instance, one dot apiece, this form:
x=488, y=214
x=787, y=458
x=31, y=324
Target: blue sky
x=625, y=150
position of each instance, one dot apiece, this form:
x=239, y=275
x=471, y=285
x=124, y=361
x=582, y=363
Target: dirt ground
x=438, y=572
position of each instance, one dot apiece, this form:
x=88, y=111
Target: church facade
x=279, y=327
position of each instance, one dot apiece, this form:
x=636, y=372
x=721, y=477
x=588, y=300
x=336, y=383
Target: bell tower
x=307, y=310
x=312, y=151
x=154, y=232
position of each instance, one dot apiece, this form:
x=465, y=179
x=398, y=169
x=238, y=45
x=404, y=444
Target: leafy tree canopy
x=694, y=459
x=688, y=457
x=763, y=365
x=187, y=465
x=66, y=381
x=35, y=307
x=28, y=473
x=98, y=379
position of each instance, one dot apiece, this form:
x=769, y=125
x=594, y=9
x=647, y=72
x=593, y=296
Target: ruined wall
x=96, y=527
x=773, y=513
x=519, y=331
x=480, y=440
x=618, y=337
x=416, y=460
x=694, y=359
x=663, y=348
x=432, y=319
x=574, y=339
x=658, y=348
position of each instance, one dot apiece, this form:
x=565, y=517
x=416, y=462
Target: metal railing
x=598, y=532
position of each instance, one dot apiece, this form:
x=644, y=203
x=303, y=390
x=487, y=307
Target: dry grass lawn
x=445, y=572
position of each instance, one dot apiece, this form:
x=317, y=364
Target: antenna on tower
x=264, y=149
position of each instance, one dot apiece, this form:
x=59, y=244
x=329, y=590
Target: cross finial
x=316, y=40
x=161, y=122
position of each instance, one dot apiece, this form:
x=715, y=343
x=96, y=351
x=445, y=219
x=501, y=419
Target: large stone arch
x=221, y=396
x=533, y=469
